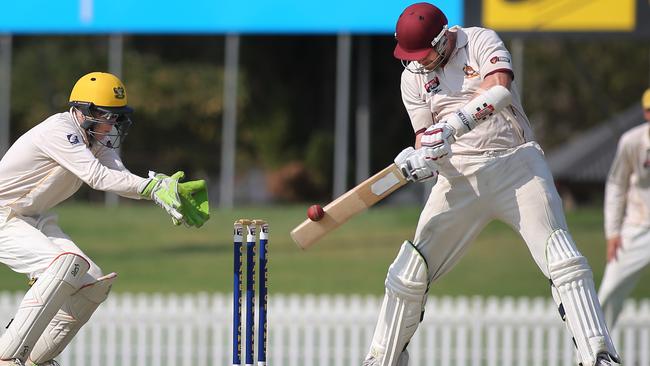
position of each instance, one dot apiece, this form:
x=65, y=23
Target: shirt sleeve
x=68, y=150
x=415, y=102
x=616, y=188
x=491, y=53
x=111, y=159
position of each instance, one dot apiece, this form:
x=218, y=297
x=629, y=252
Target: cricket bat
x=351, y=203
x=377, y=187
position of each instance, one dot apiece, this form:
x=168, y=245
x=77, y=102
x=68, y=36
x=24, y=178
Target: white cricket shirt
x=429, y=98
x=627, y=192
x=49, y=163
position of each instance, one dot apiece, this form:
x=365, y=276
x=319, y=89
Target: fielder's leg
x=573, y=290
x=623, y=273
x=402, y=309
x=60, y=280
x=74, y=313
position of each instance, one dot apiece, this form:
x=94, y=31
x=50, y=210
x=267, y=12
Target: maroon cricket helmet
x=417, y=27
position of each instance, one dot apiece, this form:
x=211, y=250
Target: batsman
x=44, y=167
x=493, y=171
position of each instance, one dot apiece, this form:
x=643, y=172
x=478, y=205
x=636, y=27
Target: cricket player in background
x=47, y=165
x=627, y=216
x=495, y=170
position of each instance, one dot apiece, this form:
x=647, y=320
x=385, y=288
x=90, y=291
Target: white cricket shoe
x=403, y=360
x=605, y=360
x=15, y=362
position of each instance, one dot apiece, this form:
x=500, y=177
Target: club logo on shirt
x=470, y=72
x=496, y=59
x=433, y=85
x=73, y=139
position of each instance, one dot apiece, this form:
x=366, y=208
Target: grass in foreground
x=151, y=255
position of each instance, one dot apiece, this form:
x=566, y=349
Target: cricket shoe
x=403, y=360
x=15, y=362
x=604, y=360
x=46, y=363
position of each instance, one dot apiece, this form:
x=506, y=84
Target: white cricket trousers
x=623, y=273
x=514, y=186
x=29, y=244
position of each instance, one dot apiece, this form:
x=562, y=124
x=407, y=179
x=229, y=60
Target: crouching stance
x=44, y=167
x=474, y=143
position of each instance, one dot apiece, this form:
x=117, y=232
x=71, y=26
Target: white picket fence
x=191, y=330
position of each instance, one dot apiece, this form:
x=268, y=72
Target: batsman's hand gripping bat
x=387, y=181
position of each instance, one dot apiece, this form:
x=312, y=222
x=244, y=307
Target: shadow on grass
x=194, y=248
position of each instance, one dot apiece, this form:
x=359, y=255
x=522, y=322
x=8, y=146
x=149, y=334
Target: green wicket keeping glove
x=163, y=190
x=194, y=202
x=187, y=202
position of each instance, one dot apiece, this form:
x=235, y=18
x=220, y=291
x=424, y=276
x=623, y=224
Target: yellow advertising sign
x=559, y=15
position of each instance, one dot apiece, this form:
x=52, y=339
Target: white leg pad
x=403, y=306
x=70, y=318
x=574, y=292
x=60, y=280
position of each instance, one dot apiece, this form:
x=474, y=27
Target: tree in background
x=286, y=98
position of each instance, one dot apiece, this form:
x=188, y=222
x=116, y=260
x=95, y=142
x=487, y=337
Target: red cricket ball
x=315, y=212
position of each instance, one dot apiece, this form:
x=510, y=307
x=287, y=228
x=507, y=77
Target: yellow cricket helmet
x=101, y=98
x=102, y=90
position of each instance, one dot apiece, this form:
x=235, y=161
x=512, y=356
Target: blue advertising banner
x=209, y=16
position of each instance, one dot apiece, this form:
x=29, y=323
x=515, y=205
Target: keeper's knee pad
x=46, y=296
x=70, y=318
x=572, y=286
x=403, y=306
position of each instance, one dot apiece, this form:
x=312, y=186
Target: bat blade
x=348, y=205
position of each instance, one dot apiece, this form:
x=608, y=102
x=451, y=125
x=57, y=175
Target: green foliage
x=572, y=85
x=44, y=70
x=318, y=157
x=286, y=95
x=178, y=113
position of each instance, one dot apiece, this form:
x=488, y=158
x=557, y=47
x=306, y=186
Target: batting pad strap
x=97, y=292
x=574, y=290
x=55, y=285
x=570, y=270
x=403, y=305
x=74, y=313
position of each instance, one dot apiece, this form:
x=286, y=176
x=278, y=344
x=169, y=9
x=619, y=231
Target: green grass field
x=151, y=255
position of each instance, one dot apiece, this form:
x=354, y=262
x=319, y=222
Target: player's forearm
x=102, y=178
x=614, y=210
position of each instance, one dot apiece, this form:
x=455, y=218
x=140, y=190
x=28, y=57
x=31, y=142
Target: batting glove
x=417, y=165
x=438, y=138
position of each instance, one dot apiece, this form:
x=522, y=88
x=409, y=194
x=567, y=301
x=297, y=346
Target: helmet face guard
x=101, y=98
x=97, y=118
x=439, y=44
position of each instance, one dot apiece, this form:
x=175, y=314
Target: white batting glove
x=417, y=165
x=439, y=138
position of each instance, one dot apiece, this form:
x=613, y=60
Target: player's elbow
x=498, y=77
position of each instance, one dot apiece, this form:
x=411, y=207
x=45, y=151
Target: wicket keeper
x=44, y=167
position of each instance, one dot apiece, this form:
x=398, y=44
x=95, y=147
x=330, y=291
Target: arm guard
x=479, y=109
